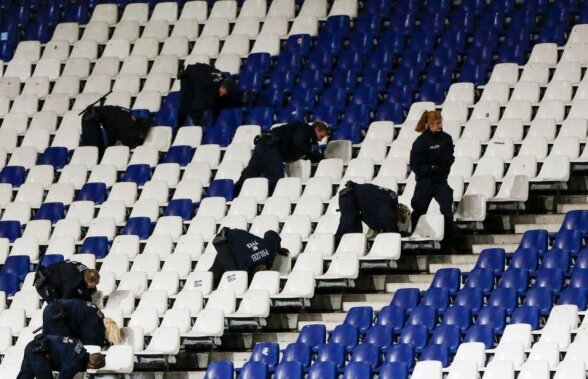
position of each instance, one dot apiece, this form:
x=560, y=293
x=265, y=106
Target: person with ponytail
x=81, y=320
x=431, y=158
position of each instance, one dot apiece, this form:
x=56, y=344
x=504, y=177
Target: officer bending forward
x=46, y=354
x=66, y=280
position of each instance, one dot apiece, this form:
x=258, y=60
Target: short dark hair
x=97, y=360
x=228, y=84
x=91, y=275
x=322, y=126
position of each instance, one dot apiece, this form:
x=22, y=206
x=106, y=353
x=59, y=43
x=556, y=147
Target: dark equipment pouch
x=269, y=138
x=221, y=237
x=40, y=344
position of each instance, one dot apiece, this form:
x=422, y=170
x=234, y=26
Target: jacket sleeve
x=74, y=362
x=450, y=157
x=418, y=163
x=301, y=144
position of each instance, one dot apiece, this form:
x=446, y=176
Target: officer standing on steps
x=376, y=206
x=104, y=126
x=81, y=320
x=286, y=143
x=240, y=250
x=202, y=87
x=66, y=280
x=431, y=158
x=46, y=354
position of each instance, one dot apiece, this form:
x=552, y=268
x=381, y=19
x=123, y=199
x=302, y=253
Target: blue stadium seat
x=303, y=97
x=320, y=61
x=326, y=113
x=272, y=97
x=262, y=116
x=289, y=370
x=343, y=78
x=480, y=333
x=51, y=211
x=475, y=73
x=297, y=352
x=357, y=370
x=309, y=80
x=289, y=61
x=403, y=22
x=331, y=352
x=360, y=317
x=312, y=335
x=9, y=283
x=391, y=112
x=377, y=79
x=230, y=118
x=49, y=259
x=433, y=92
x=97, y=245
x=472, y=298
x=382, y=58
x=542, y=298
x=180, y=207
x=337, y=25
x=480, y=278
x=257, y=62
x=447, y=335
x=14, y=175
x=526, y=315
x=401, y=353
x=579, y=278
x=254, y=370
x=217, y=135
x=380, y=336
x=138, y=226
x=582, y=259
x=20, y=13
x=423, y=315
x=576, y=296
x=334, y=96
x=181, y=155
x=221, y=188
x=438, y=298
x=415, y=335
x=267, y=353
x=391, y=316
x=54, y=156
x=458, y=316
x=10, y=230
x=40, y=30
x=406, y=298
x=322, y=370
x=357, y=115
x=414, y=59
x=366, y=353
x=576, y=220
x=505, y=298
x=493, y=259
x=393, y=370
x=18, y=265
x=137, y=173
x=94, y=192
x=526, y=259
x=556, y=259
x=569, y=240
x=361, y=42
x=433, y=352
x=329, y=42
x=492, y=316
x=365, y=95
x=377, y=7
x=449, y=278
x=290, y=114
x=250, y=81
x=299, y=43
x=346, y=131
x=515, y=278
x=346, y=335
x=535, y=239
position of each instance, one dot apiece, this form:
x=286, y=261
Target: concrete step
x=462, y=266
x=522, y=228
x=393, y=287
x=509, y=247
x=563, y=208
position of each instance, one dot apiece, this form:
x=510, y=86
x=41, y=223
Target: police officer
x=66, y=280
x=46, y=354
x=286, y=143
x=119, y=125
x=240, y=250
x=202, y=87
x=81, y=320
x=376, y=206
x=431, y=158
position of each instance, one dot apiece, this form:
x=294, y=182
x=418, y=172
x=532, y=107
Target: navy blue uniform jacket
x=120, y=126
x=68, y=280
x=295, y=140
x=249, y=250
x=431, y=156
x=83, y=320
x=204, y=81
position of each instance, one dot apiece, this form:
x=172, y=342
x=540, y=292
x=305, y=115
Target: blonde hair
x=428, y=117
x=403, y=213
x=112, y=331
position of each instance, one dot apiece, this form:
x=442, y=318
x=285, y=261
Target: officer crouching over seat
x=376, y=206
x=283, y=144
x=117, y=123
x=240, y=250
x=66, y=280
x=81, y=320
x=46, y=354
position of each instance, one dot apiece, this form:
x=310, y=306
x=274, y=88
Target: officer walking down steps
x=119, y=124
x=431, y=158
x=240, y=250
x=376, y=206
x=46, y=354
x=66, y=280
x=286, y=143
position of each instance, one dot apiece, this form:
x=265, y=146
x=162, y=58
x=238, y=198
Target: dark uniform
x=240, y=250
x=286, y=143
x=75, y=318
x=63, y=280
x=431, y=158
x=58, y=353
x=118, y=123
x=199, y=91
x=376, y=206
